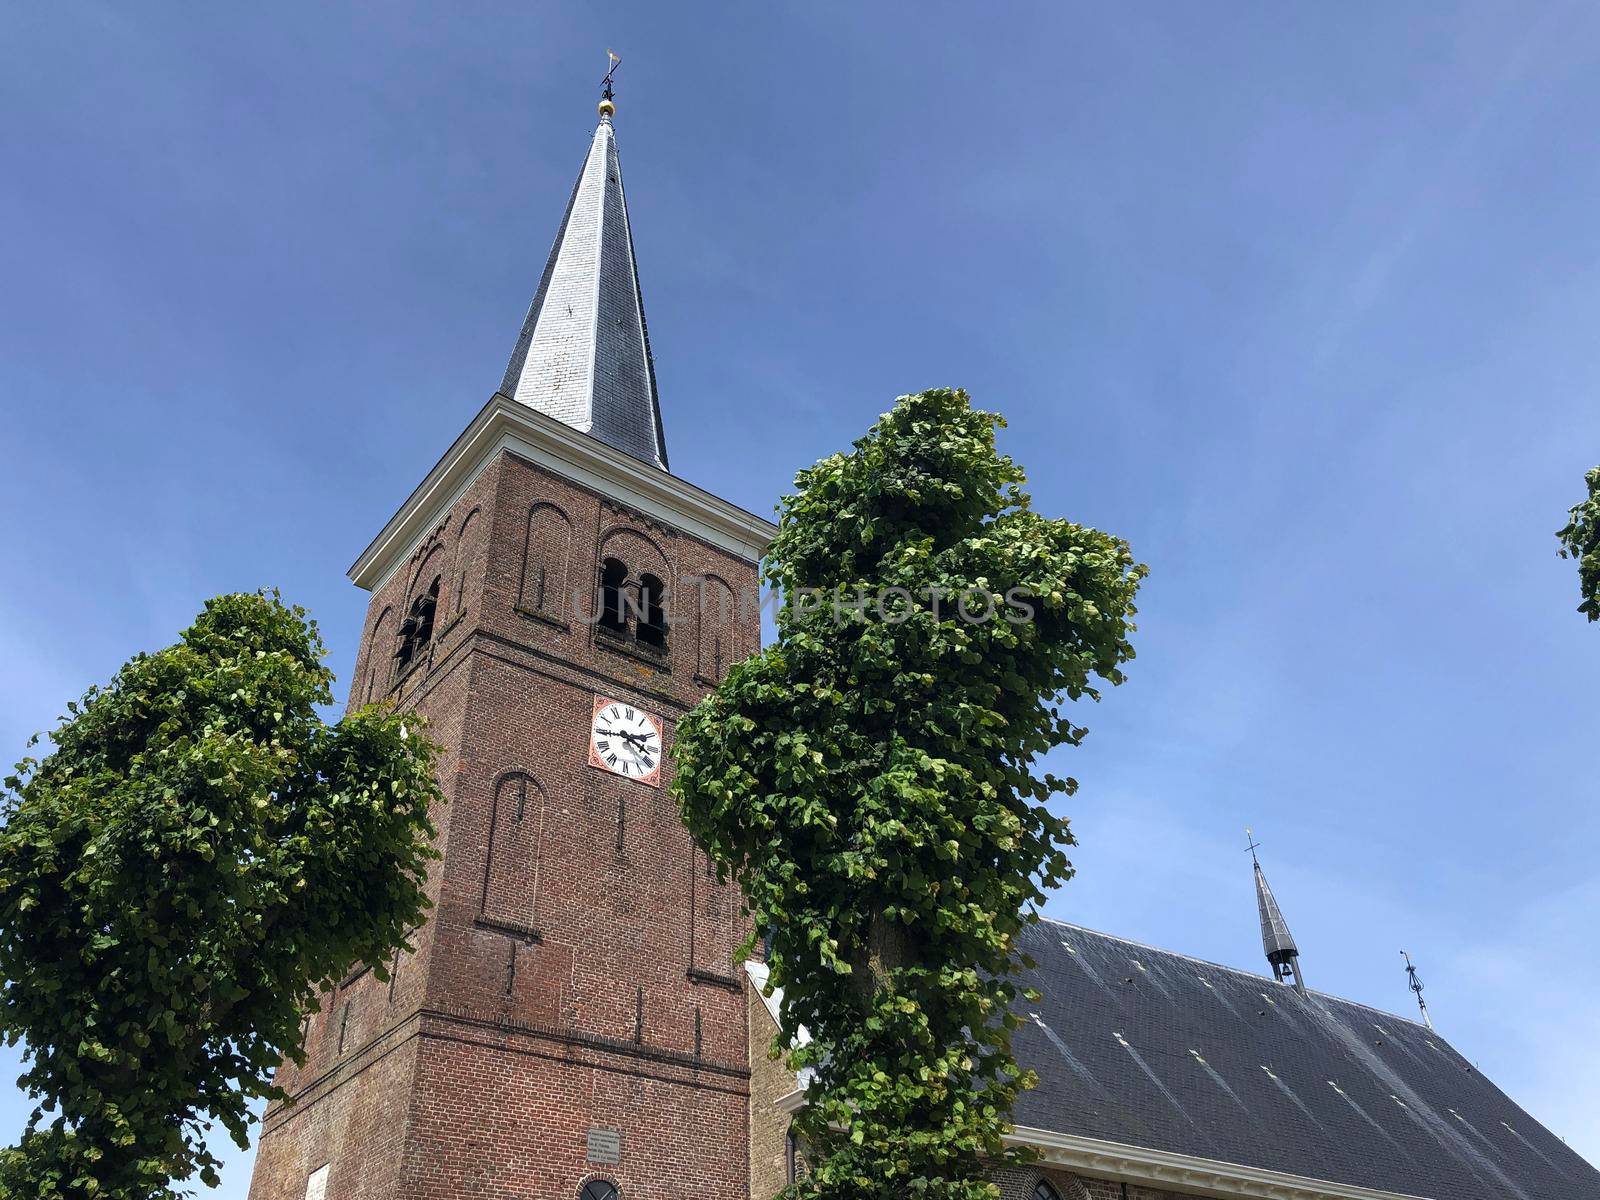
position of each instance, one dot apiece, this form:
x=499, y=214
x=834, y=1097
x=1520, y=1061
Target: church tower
x=569, y=1024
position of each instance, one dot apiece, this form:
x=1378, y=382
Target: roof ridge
x=1206, y=962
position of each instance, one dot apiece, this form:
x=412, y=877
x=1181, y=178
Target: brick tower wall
x=573, y=997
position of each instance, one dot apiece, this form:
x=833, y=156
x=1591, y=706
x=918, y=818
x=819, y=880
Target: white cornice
x=1119, y=1163
x=1182, y=1173
x=504, y=424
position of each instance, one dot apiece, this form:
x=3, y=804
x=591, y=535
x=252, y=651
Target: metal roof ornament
x=1414, y=982
x=608, y=99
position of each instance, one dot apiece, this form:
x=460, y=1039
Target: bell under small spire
x=583, y=356
x=1276, y=939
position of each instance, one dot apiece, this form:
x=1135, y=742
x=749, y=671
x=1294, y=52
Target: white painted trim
x=758, y=973
x=1181, y=1172
x=1121, y=1163
x=504, y=424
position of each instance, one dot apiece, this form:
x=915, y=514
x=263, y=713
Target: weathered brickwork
x=770, y=1082
x=577, y=971
x=1021, y=1183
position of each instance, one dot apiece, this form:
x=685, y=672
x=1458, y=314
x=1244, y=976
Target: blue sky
x=1301, y=300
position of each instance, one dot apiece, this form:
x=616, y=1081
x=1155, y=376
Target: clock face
x=625, y=740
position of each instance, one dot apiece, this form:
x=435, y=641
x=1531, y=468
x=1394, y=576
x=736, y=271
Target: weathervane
x=608, y=104
x=1415, y=984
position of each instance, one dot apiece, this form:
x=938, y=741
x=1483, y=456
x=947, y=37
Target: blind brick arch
x=717, y=924
x=545, y=588
x=469, y=539
x=511, y=868
x=373, y=676
x=714, y=618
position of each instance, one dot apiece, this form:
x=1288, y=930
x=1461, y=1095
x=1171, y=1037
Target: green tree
x=197, y=856
x=868, y=780
x=1580, y=539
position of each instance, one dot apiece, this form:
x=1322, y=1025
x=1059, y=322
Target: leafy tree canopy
x=198, y=855
x=1580, y=539
x=868, y=780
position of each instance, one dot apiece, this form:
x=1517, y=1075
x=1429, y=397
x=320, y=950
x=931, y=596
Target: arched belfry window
x=599, y=1189
x=416, y=631
x=652, y=611
x=632, y=608
x=613, y=612
x=1043, y=1191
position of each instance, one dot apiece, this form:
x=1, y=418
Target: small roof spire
x=584, y=353
x=1276, y=939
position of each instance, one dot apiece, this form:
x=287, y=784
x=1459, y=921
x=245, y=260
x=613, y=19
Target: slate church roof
x=1149, y=1048
x=584, y=353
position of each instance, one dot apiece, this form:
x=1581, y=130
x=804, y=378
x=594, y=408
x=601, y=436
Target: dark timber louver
x=584, y=353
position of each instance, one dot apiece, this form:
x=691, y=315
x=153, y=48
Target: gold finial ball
x=607, y=109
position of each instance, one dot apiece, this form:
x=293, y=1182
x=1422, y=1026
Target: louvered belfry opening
x=652, y=612
x=613, y=603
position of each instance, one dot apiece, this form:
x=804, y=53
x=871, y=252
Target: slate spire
x=1276, y=939
x=584, y=353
